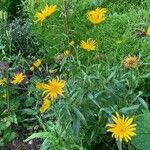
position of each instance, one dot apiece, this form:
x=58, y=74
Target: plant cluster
x=78, y=72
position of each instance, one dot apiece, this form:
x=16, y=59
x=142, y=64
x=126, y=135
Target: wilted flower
x=131, y=61
x=97, y=16
x=89, y=45
x=59, y=58
x=45, y=13
x=122, y=128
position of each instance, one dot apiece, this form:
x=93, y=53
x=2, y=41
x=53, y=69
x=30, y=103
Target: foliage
x=109, y=75
x=143, y=131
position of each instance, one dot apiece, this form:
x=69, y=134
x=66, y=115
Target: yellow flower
x=53, y=89
x=37, y=63
x=45, y=13
x=89, y=45
x=67, y=53
x=46, y=104
x=18, y=78
x=97, y=16
x=122, y=128
x=148, y=31
x=3, y=81
x=32, y=68
x=131, y=62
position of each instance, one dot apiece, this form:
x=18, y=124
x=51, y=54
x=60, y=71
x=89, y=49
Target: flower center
x=53, y=88
x=131, y=61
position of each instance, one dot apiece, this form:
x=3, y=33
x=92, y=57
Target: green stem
x=41, y=122
x=119, y=144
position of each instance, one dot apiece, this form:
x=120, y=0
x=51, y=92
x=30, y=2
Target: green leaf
x=111, y=75
x=42, y=135
x=143, y=103
x=45, y=145
x=9, y=135
x=2, y=47
x=80, y=115
x=29, y=112
x=142, y=139
x=130, y=109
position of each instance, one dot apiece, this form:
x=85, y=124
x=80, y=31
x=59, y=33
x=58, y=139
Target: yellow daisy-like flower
x=3, y=81
x=46, y=104
x=18, y=78
x=122, y=128
x=148, y=31
x=131, y=62
x=67, y=53
x=45, y=13
x=97, y=16
x=37, y=63
x=53, y=89
x=89, y=45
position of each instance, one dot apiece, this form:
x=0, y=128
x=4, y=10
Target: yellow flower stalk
x=45, y=13
x=89, y=45
x=122, y=128
x=97, y=16
x=53, y=89
x=131, y=62
x=46, y=104
x=18, y=78
x=3, y=81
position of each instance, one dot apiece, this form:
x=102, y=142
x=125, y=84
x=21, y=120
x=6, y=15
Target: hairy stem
x=67, y=23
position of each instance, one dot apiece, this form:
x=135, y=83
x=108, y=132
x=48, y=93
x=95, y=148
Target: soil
x=18, y=144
